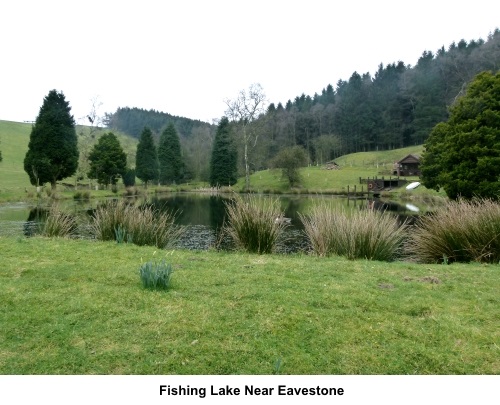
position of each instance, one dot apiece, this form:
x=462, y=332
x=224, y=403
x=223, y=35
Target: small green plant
x=122, y=236
x=277, y=366
x=156, y=274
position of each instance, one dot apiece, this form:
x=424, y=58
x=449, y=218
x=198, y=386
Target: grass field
x=78, y=307
x=14, y=139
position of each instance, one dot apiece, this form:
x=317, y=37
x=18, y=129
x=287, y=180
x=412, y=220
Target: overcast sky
x=185, y=57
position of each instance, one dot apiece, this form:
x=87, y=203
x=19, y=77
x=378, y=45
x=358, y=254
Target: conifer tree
x=107, y=159
x=169, y=156
x=53, y=147
x=146, y=158
x=224, y=162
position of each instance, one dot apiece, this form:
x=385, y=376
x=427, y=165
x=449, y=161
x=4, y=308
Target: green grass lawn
x=78, y=307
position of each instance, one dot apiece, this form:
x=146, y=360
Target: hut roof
x=410, y=159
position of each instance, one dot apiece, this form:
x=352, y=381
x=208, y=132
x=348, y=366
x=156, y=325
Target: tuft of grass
x=255, y=223
x=459, y=231
x=363, y=234
x=142, y=225
x=156, y=274
x=58, y=224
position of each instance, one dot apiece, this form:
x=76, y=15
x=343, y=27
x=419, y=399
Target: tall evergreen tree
x=224, y=162
x=107, y=159
x=53, y=147
x=146, y=158
x=169, y=156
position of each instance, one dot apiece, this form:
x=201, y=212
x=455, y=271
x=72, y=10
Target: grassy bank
x=78, y=307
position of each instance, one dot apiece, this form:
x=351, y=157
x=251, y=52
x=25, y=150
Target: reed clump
x=364, y=234
x=255, y=224
x=459, y=231
x=58, y=224
x=141, y=225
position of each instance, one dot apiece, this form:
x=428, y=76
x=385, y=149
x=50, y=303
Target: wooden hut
x=408, y=166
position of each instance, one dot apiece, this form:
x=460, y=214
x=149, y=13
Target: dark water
x=202, y=215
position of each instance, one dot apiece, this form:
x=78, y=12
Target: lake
x=202, y=214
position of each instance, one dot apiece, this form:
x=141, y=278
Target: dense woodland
x=396, y=107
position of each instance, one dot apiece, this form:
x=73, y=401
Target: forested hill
x=133, y=120
x=397, y=107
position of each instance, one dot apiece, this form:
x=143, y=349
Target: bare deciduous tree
x=91, y=124
x=244, y=110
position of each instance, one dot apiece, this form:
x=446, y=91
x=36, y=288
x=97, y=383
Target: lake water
x=202, y=214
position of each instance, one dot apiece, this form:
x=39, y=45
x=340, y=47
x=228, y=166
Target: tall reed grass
x=255, y=224
x=460, y=231
x=58, y=224
x=144, y=225
x=363, y=234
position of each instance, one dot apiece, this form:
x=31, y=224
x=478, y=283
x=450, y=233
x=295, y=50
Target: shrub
x=82, y=195
x=141, y=225
x=255, y=224
x=460, y=231
x=58, y=224
x=156, y=275
x=364, y=234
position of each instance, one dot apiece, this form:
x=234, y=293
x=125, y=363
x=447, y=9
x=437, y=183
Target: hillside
x=318, y=179
x=14, y=139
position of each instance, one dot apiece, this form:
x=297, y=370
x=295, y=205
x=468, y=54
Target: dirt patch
x=426, y=279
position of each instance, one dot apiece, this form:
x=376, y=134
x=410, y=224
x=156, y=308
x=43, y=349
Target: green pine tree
x=224, y=162
x=107, y=159
x=53, y=147
x=146, y=158
x=169, y=156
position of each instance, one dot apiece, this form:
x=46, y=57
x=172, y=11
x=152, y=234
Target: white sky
x=185, y=57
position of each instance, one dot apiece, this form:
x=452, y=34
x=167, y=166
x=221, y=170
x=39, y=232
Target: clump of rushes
x=255, y=224
x=58, y=224
x=364, y=234
x=143, y=225
x=460, y=231
x=156, y=275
